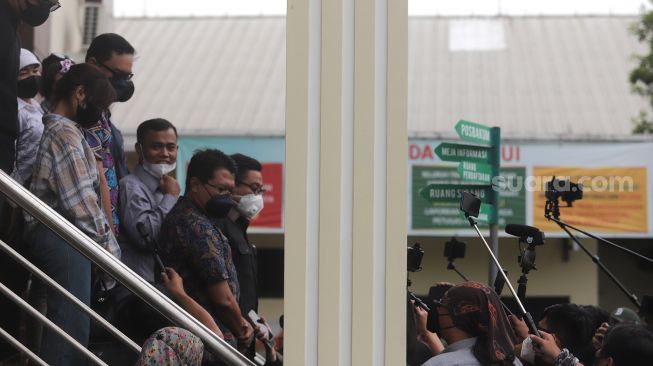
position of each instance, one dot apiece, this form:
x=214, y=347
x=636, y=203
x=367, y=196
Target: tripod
x=552, y=212
x=527, y=263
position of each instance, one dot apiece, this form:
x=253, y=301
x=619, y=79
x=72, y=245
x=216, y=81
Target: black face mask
x=89, y=115
x=27, y=88
x=124, y=88
x=36, y=15
x=219, y=206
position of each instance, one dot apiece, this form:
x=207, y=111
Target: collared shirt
x=66, y=178
x=141, y=201
x=196, y=248
x=30, y=129
x=459, y=354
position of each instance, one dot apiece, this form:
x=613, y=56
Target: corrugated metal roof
x=556, y=77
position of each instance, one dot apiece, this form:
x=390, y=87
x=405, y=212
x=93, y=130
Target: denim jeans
x=72, y=271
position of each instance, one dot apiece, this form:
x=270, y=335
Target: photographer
x=476, y=330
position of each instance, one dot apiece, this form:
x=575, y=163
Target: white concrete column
x=345, y=184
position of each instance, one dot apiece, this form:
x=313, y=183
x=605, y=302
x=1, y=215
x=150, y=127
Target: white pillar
x=345, y=184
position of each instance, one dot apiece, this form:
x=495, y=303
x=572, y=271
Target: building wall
x=576, y=278
x=63, y=31
x=634, y=273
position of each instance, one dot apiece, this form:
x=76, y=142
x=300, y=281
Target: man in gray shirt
x=148, y=194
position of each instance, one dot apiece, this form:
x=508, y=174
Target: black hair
x=50, y=68
x=204, y=163
x=97, y=88
x=245, y=164
x=155, y=124
x=105, y=45
x=572, y=324
x=597, y=315
x=628, y=344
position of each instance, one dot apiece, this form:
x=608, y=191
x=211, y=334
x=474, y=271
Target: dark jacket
x=244, y=257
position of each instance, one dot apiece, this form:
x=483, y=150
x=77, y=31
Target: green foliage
x=641, y=77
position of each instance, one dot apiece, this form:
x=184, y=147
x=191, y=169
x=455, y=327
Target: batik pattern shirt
x=171, y=346
x=99, y=138
x=195, y=247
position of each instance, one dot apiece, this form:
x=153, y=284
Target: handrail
x=45, y=278
x=26, y=351
x=47, y=322
x=116, y=269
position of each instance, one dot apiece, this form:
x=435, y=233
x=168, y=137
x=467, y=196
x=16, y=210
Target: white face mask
x=250, y=205
x=158, y=170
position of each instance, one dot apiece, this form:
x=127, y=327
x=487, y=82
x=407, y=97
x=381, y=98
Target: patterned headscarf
x=476, y=309
x=172, y=347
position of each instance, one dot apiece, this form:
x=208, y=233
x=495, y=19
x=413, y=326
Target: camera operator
x=476, y=330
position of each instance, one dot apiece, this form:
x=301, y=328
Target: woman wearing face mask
x=30, y=126
x=66, y=178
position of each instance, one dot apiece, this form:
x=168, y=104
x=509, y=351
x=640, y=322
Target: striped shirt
x=66, y=178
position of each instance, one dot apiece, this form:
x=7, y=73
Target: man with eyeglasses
x=12, y=13
x=197, y=249
x=114, y=56
x=248, y=191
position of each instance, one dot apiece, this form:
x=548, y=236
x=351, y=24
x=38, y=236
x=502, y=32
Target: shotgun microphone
x=526, y=234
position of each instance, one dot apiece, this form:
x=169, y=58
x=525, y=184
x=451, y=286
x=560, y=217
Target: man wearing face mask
x=149, y=193
x=12, y=12
x=114, y=56
x=193, y=245
x=249, y=194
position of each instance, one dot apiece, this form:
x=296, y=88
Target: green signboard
x=452, y=192
x=475, y=172
x=438, y=209
x=474, y=132
x=457, y=152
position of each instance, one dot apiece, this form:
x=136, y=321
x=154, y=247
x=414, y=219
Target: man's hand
x=169, y=185
x=173, y=282
x=545, y=347
x=597, y=340
x=420, y=319
x=246, y=335
x=519, y=326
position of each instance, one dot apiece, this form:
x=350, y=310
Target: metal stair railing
x=116, y=269
x=19, y=346
x=40, y=317
x=53, y=284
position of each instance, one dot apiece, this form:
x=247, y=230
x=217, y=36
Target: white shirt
x=30, y=129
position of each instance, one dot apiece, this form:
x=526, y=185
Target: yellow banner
x=615, y=199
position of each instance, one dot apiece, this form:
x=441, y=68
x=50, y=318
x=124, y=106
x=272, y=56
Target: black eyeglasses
x=255, y=187
x=220, y=190
x=54, y=7
x=124, y=75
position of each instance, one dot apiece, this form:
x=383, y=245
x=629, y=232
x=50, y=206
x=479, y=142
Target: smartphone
x=258, y=323
x=470, y=204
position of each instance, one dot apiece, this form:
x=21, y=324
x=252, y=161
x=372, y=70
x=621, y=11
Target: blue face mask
x=218, y=206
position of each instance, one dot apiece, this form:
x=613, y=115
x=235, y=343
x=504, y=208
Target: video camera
x=415, y=255
x=563, y=189
x=454, y=249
